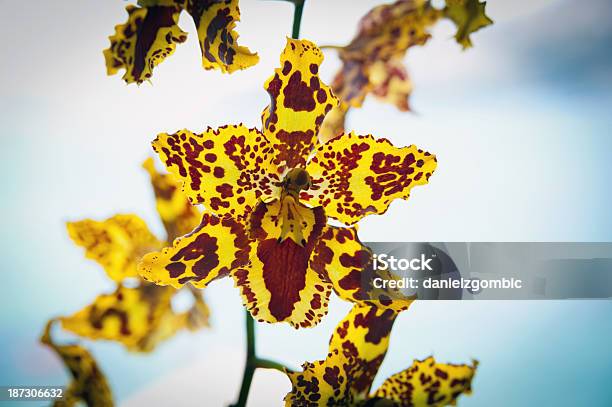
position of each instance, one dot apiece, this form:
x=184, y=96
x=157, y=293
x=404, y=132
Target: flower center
x=295, y=181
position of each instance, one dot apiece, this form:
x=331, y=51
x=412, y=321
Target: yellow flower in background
x=141, y=316
x=270, y=194
x=356, y=350
x=152, y=32
x=372, y=63
x=115, y=243
x=88, y=384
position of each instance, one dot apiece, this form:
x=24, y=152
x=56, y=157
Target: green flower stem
x=297, y=18
x=253, y=362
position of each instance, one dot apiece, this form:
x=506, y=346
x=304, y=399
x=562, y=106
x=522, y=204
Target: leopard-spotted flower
x=373, y=60
x=152, y=32
x=356, y=350
x=138, y=316
x=88, y=383
x=270, y=194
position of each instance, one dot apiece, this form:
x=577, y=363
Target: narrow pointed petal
x=116, y=243
x=145, y=40
x=214, y=248
x=427, y=383
x=353, y=176
x=299, y=101
x=227, y=169
x=216, y=22
x=88, y=383
x=175, y=211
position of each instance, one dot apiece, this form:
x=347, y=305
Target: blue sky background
x=520, y=124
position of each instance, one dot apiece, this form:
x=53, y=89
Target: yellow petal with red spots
x=356, y=350
x=299, y=101
x=427, y=383
x=88, y=383
x=363, y=339
x=175, y=211
x=278, y=285
x=145, y=40
x=214, y=248
x=469, y=16
x=116, y=243
x=320, y=383
x=136, y=317
x=227, y=169
x=345, y=262
x=215, y=22
x=353, y=176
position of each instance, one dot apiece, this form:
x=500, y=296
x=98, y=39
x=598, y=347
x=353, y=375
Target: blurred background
x=520, y=124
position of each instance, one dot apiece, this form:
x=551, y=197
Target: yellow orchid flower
x=269, y=194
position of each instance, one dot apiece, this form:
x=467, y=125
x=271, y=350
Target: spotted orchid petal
x=428, y=383
x=216, y=22
x=139, y=318
x=88, y=382
x=278, y=285
x=214, y=248
x=228, y=169
x=151, y=34
x=347, y=264
x=176, y=213
x=356, y=350
x=299, y=101
x=145, y=40
x=116, y=243
x=353, y=176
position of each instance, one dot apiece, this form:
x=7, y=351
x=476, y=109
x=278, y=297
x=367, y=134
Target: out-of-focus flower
x=139, y=318
x=88, y=383
x=270, y=193
x=469, y=16
x=372, y=63
x=142, y=316
x=356, y=351
x=116, y=243
x=152, y=32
